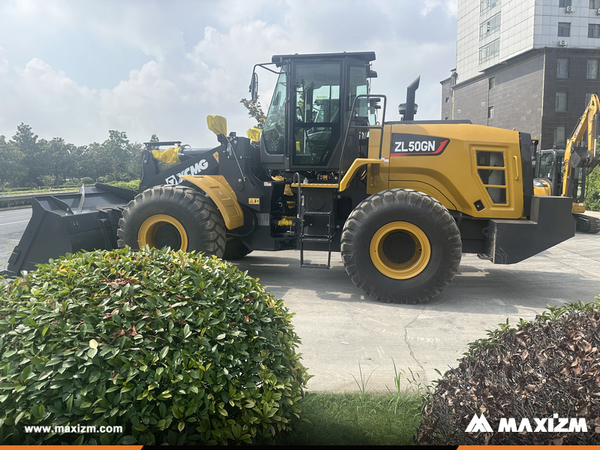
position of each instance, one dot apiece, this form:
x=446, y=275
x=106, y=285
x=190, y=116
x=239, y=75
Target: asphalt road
x=12, y=225
x=349, y=340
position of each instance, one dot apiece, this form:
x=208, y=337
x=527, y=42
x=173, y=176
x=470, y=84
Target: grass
x=356, y=419
x=359, y=418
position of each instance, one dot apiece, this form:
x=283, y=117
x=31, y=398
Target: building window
x=561, y=102
x=594, y=4
x=594, y=30
x=564, y=29
x=489, y=51
x=592, y=69
x=486, y=5
x=489, y=27
x=562, y=68
x=559, y=137
x=492, y=82
x=564, y=3
x=490, y=112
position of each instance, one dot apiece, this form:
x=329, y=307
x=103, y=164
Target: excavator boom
x=577, y=153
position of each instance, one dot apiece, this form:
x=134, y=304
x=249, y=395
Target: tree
x=59, y=158
x=12, y=167
x=123, y=156
x=93, y=161
x=27, y=160
x=255, y=111
x=26, y=142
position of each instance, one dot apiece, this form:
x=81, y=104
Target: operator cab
x=310, y=110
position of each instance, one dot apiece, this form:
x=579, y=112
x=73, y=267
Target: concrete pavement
x=345, y=333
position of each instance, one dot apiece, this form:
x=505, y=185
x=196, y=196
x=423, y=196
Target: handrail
x=348, y=126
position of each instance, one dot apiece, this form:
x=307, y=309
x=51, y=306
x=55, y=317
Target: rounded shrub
x=538, y=383
x=173, y=347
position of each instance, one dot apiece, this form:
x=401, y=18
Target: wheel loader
x=400, y=200
x=564, y=171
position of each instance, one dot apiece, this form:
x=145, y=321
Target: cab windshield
x=274, y=128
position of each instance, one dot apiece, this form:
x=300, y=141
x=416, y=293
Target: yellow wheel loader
x=563, y=171
x=400, y=200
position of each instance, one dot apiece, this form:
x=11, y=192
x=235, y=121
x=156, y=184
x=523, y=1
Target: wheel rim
x=162, y=230
x=400, y=250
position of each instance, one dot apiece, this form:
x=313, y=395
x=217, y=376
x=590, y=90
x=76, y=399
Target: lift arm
x=579, y=156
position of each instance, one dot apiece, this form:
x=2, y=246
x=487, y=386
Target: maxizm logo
x=553, y=424
x=191, y=170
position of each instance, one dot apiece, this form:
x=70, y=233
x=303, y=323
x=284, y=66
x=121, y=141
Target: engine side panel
x=471, y=169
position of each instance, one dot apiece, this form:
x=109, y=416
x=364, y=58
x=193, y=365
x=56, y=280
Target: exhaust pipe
x=409, y=109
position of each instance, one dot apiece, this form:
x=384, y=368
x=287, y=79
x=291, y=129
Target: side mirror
x=254, y=87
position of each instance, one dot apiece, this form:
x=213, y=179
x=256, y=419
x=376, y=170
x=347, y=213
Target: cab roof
x=365, y=56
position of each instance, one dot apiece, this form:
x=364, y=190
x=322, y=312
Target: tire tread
x=405, y=199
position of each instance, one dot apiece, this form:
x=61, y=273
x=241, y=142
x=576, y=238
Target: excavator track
x=587, y=224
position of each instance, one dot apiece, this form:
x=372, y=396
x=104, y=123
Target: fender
x=357, y=164
x=219, y=191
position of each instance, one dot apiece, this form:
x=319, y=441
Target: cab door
x=315, y=113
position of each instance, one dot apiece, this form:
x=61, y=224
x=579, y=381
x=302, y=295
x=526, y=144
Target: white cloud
x=4, y=66
x=47, y=100
x=450, y=6
x=198, y=59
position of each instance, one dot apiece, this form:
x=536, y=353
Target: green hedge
x=176, y=348
x=592, y=191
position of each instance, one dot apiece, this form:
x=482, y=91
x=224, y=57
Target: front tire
x=171, y=216
x=401, y=246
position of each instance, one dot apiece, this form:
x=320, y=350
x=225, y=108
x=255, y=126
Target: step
x=315, y=266
x=316, y=213
x=314, y=239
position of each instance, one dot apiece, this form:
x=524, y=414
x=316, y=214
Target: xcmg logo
x=413, y=145
x=192, y=170
x=553, y=424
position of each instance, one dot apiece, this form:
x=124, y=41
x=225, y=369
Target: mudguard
x=217, y=188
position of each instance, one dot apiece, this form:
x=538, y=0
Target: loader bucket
x=69, y=223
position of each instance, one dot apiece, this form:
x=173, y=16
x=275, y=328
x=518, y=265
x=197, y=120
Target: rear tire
x=235, y=249
x=401, y=246
x=171, y=216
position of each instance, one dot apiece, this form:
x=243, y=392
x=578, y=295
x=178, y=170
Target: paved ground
x=344, y=332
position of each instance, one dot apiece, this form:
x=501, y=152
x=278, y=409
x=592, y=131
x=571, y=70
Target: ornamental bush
x=544, y=375
x=592, y=191
x=175, y=348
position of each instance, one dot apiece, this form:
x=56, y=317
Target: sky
x=76, y=69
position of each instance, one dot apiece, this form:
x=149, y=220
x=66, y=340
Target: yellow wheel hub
x=162, y=230
x=400, y=250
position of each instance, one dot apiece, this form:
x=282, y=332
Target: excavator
x=400, y=200
x=563, y=172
